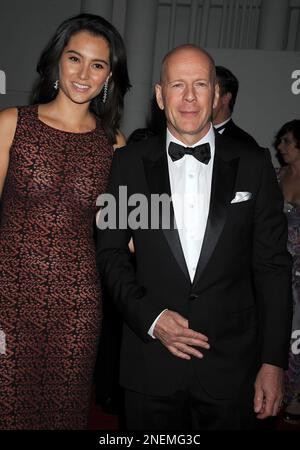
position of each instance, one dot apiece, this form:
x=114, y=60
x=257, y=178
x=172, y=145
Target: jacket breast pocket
x=244, y=203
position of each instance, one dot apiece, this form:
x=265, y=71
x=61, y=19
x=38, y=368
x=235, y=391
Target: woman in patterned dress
x=287, y=144
x=55, y=159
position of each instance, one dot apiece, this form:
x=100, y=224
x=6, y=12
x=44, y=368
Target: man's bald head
x=185, y=49
x=188, y=92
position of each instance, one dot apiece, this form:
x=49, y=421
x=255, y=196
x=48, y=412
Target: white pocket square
x=241, y=197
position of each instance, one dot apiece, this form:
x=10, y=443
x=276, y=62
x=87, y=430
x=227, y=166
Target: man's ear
x=227, y=98
x=159, y=98
x=216, y=96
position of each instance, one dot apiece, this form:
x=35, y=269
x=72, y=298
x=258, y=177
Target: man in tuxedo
x=229, y=86
x=207, y=309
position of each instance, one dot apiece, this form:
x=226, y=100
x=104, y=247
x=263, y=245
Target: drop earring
x=56, y=85
x=105, y=91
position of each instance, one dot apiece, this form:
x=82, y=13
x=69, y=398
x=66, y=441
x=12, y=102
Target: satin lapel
x=223, y=182
x=157, y=176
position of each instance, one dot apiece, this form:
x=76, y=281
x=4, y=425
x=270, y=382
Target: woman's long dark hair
x=48, y=69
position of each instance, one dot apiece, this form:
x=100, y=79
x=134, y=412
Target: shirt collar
x=208, y=138
x=220, y=125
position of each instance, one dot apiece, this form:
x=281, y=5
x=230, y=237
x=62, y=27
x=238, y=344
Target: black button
x=193, y=297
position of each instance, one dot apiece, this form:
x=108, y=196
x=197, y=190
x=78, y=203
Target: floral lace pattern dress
x=292, y=385
x=292, y=379
x=50, y=300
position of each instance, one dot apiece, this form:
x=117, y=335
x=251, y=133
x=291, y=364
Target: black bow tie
x=200, y=152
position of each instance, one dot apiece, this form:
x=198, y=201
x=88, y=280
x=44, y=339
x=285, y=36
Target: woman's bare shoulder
x=9, y=114
x=8, y=123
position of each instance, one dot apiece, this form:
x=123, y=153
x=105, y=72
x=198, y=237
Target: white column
x=273, y=25
x=140, y=32
x=102, y=8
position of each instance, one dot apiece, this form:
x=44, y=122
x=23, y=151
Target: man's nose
x=190, y=94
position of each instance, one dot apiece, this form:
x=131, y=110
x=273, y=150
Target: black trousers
x=190, y=408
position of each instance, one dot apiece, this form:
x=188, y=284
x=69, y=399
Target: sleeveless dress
x=292, y=382
x=50, y=307
x=292, y=379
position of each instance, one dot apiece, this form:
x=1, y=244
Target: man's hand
x=174, y=333
x=268, y=391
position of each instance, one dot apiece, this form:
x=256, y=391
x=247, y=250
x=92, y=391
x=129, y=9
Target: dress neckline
x=84, y=133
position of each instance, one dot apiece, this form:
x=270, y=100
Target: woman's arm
x=8, y=123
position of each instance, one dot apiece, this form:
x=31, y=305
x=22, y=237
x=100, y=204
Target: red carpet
x=99, y=420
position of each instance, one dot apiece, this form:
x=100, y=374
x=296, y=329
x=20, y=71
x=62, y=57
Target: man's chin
x=195, y=131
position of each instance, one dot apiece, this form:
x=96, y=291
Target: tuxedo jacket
x=240, y=296
x=233, y=131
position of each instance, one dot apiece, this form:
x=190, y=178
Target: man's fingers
x=171, y=327
x=180, y=325
x=189, y=333
x=188, y=350
x=270, y=407
x=173, y=332
x=258, y=400
x=273, y=405
x=192, y=341
x=268, y=391
x=277, y=407
x=176, y=352
x=261, y=413
x=197, y=339
x=188, y=337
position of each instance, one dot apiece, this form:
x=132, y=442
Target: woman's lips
x=80, y=87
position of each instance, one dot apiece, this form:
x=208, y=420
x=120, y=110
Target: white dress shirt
x=190, y=182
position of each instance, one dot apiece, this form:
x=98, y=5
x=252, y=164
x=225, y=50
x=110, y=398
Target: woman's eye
x=98, y=66
x=74, y=58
